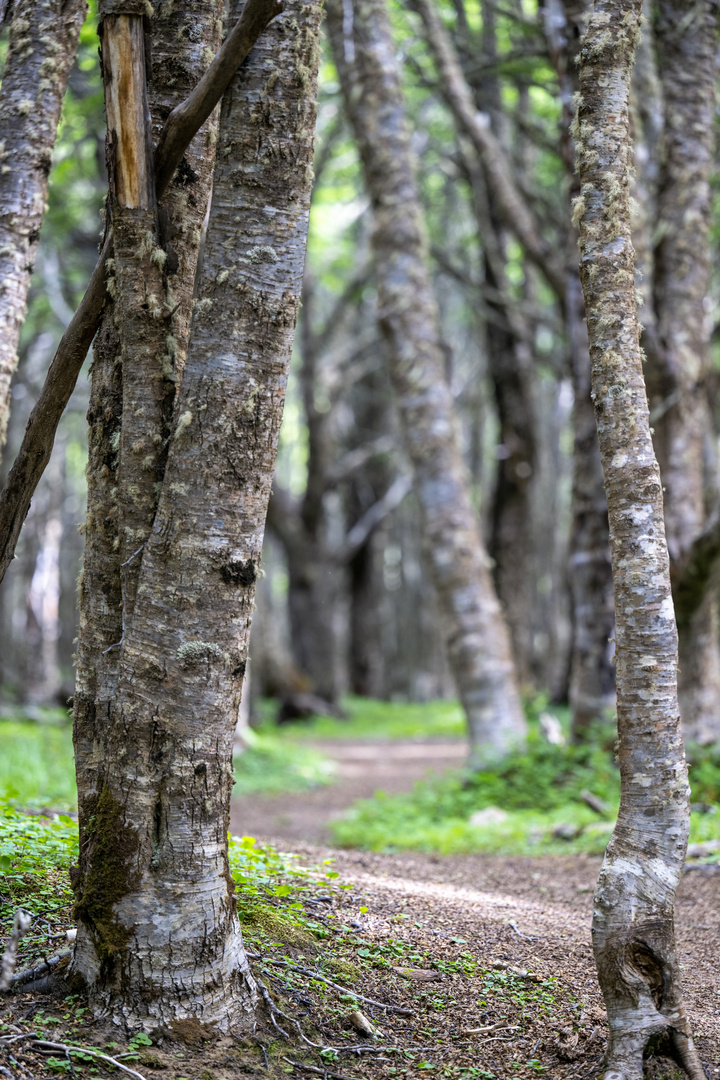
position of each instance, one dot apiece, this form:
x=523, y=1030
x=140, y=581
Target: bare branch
x=377, y=513
x=476, y=127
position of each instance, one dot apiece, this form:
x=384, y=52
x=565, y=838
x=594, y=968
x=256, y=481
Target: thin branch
x=476, y=127
x=377, y=513
x=181, y=126
x=41, y=1044
x=336, y=986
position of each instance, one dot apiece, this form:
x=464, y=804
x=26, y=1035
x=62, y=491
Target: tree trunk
x=684, y=429
x=158, y=935
x=478, y=641
x=633, y=931
x=592, y=673
x=43, y=42
x=177, y=61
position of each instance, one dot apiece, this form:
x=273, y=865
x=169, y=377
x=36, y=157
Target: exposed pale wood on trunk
x=159, y=940
x=633, y=931
x=37, y=444
x=478, y=640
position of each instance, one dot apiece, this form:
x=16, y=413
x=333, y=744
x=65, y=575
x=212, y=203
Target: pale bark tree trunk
x=158, y=935
x=684, y=429
x=177, y=63
x=42, y=46
x=633, y=931
x=592, y=674
x=478, y=640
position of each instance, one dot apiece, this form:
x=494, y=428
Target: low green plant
x=540, y=791
x=37, y=764
x=35, y=856
x=366, y=718
x=271, y=765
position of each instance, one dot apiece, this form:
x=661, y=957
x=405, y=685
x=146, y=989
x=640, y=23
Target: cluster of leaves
x=35, y=856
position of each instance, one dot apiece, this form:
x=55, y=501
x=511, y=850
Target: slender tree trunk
x=633, y=931
x=478, y=640
x=684, y=428
x=43, y=42
x=592, y=673
x=158, y=935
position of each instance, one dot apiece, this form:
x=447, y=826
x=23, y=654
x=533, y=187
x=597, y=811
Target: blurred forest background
x=346, y=608
x=347, y=604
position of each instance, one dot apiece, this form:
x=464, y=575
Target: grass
x=540, y=794
x=36, y=764
x=370, y=719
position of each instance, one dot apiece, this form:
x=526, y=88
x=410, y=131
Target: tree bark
x=478, y=640
x=592, y=673
x=684, y=429
x=121, y=364
x=158, y=935
x=633, y=931
x=42, y=47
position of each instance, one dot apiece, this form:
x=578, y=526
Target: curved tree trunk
x=158, y=935
x=42, y=47
x=478, y=640
x=633, y=930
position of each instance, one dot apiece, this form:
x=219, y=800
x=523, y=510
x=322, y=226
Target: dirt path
x=361, y=769
x=535, y=912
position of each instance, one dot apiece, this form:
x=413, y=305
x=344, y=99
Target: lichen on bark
x=633, y=930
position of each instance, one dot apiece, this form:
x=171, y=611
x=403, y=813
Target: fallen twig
x=33, y=973
x=314, y=1069
x=41, y=1044
x=329, y=982
x=21, y=923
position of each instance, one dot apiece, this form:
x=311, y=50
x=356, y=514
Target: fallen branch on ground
x=336, y=986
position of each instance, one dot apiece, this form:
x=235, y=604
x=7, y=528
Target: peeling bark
x=478, y=640
x=43, y=42
x=633, y=930
x=158, y=935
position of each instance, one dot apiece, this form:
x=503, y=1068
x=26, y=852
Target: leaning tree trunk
x=42, y=46
x=684, y=429
x=478, y=640
x=633, y=930
x=158, y=935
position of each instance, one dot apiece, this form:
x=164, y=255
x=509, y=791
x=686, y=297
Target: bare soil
x=530, y=912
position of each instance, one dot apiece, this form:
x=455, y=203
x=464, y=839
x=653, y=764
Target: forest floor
x=468, y=967
x=510, y=914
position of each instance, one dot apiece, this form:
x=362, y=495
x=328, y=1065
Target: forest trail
x=534, y=913
x=362, y=768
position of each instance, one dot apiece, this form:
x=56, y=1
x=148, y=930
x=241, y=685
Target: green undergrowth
x=271, y=765
x=36, y=762
x=367, y=718
x=540, y=795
